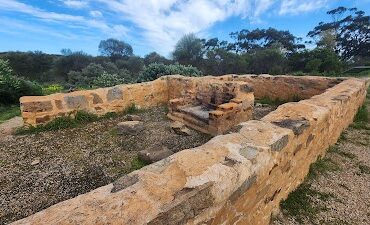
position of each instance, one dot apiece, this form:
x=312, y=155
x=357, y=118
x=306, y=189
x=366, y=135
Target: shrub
x=108, y=80
x=13, y=87
x=155, y=70
x=51, y=89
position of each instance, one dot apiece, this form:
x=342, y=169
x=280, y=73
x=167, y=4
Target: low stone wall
x=238, y=178
x=42, y=109
x=286, y=88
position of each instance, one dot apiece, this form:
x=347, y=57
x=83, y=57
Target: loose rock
x=154, y=154
x=130, y=127
x=130, y=117
x=180, y=128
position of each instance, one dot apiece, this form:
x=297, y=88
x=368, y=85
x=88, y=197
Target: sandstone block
x=114, y=93
x=154, y=154
x=130, y=127
x=76, y=102
x=37, y=106
x=180, y=128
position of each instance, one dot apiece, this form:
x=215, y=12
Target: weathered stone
x=246, y=88
x=59, y=104
x=76, y=102
x=35, y=162
x=124, y=182
x=180, y=128
x=154, y=154
x=96, y=99
x=186, y=205
x=280, y=144
x=130, y=127
x=114, y=93
x=38, y=106
x=249, y=152
x=243, y=188
x=42, y=119
x=130, y=117
x=297, y=126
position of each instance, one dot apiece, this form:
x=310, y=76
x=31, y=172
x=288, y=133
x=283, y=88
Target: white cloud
x=96, y=13
x=67, y=19
x=164, y=21
x=76, y=4
x=300, y=6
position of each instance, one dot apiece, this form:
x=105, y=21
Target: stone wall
x=42, y=109
x=285, y=88
x=237, y=178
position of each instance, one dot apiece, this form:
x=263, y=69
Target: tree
x=352, y=33
x=154, y=57
x=115, y=49
x=13, y=87
x=188, y=50
x=154, y=71
x=269, y=60
x=246, y=40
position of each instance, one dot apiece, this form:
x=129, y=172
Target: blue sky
x=149, y=25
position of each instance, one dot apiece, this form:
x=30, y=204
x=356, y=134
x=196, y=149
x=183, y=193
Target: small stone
x=154, y=154
x=130, y=127
x=180, y=128
x=35, y=162
x=130, y=117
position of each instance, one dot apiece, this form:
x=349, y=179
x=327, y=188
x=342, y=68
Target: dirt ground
x=340, y=192
x=39, y=170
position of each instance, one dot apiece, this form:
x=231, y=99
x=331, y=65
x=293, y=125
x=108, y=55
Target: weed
x=362, y=115
x=132, y=109
x=83, y=117
x=360, y=126
x=137, y=164
x=299, y=204
x=8, y=112
x=335, y=149
x=364, y=169
x=269, y=101
x=322, y=166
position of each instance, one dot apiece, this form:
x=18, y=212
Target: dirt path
x=7, y=127
x=337, y=190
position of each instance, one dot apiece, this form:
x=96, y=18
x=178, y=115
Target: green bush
x=108, y=80
x=155, y=70
x=13, y=87
x=52, y=88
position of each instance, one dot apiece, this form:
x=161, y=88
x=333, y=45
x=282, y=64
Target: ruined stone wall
x=285, y=88
x=237, y=178
x=42, y=109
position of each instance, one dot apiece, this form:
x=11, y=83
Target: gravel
x=349, y=186
x=39, y=170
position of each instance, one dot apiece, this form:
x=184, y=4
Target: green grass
x=335, y=149
x=59, y=123
x=81, y=118
x=364, y=169
x=362, y=115
x=361, y=121
x=277, y=101
x=299, y=204
x=137, y=164
x=8, y=112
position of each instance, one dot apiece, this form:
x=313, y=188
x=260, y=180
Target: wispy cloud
x=300, y=6
x=76, y=4
x=164, y=21
x=16, y=6
x=96, y=13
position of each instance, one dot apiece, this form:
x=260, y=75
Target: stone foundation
x=237, y=178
